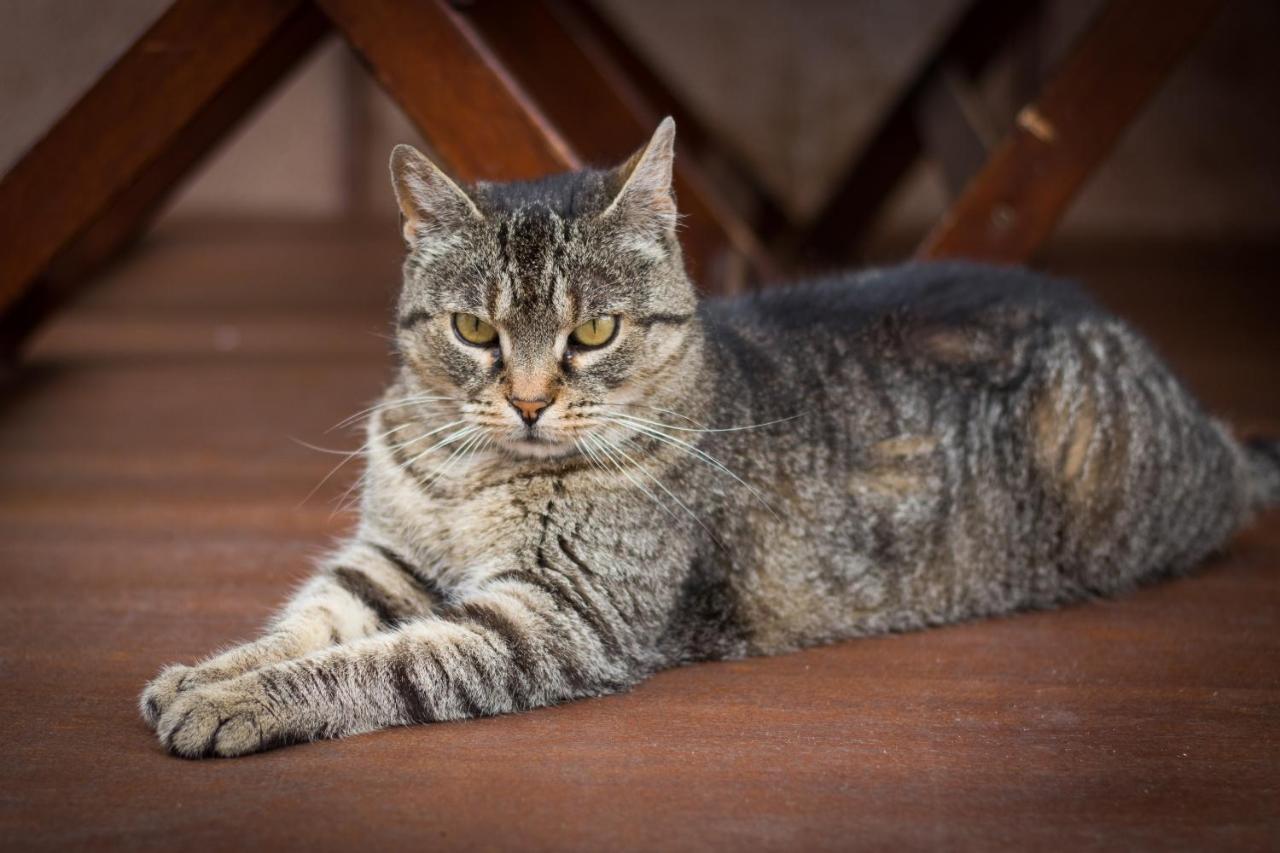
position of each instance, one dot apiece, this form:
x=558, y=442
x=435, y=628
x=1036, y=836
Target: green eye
x=595, y=333
x=474, y=331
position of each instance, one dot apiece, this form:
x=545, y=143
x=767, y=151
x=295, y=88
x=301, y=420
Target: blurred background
x=793, y=89
x=1176, y=229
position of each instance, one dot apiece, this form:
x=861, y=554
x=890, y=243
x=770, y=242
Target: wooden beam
x=606, y=119
x=897, y=143
x=432, y=62
x=1009, y=208
x=589, y=98
x=131, y=135
x=131, y=210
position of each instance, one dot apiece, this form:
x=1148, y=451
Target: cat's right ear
x=430, y=203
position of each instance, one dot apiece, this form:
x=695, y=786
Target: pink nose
x=529, y=409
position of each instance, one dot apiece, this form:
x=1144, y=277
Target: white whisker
x=348, y=456
x=449, y=439
x=695, y=451
x=605, y=451
x=682, y=417
x=707, y=429
x=617, y=449
x=402, y=445
x=582, y=448
x=381, y=405
x=459, y=452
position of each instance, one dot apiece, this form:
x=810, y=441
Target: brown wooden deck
x=152, y=508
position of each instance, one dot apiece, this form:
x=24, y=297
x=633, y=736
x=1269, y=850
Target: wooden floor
x=153, y=506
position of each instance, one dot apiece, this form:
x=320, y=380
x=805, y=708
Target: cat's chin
x=539, y=448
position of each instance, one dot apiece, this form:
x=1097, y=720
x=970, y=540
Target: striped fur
x=875, y=452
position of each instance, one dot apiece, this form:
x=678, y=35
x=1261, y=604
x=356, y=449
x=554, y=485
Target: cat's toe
x=217, y=721
x=161, y=692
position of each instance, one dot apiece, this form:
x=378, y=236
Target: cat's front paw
x=164, y=689
x=224, y=720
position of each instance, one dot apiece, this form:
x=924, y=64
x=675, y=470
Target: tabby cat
x=581, y=475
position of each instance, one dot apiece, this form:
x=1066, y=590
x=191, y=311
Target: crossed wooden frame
x=510, y=89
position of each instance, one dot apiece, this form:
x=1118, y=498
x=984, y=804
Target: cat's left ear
x=646, y=200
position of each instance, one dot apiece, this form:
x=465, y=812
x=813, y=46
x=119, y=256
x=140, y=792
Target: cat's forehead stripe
x=533, y=260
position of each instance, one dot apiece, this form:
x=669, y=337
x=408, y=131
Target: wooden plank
x=1010, y=208
x=589, y=98
x=470, y=108
x=132, y=209
x=897, y=143
x=125, y=124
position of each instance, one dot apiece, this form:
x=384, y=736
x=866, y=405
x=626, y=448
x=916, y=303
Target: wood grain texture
x=152, y=509
x=470, y=108
x=1010, y=207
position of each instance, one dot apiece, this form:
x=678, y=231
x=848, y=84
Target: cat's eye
x=595, y=333
x=474, y=331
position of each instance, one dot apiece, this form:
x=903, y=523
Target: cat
x=581, y=474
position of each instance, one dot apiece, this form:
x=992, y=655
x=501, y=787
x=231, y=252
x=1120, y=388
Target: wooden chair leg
x=589, y=97
x=434, y=64
x=898, y=142
x=102, y=171
x=1011, y=206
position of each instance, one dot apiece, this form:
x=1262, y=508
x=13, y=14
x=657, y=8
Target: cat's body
x=875, y=452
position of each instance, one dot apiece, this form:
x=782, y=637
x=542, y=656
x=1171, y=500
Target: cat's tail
x=1263, y=455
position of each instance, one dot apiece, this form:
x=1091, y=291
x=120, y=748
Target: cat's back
x=845, y=304
x=845, y=343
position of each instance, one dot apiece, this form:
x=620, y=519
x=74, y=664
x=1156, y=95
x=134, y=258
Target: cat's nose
x=529, y=409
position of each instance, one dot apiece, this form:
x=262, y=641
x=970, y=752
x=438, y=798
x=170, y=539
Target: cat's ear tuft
x=646, y=198
x=430, y=203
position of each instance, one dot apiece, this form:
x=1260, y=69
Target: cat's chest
x=497, y=518
x=481, y=520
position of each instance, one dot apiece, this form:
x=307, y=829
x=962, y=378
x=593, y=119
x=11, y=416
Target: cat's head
x=537, y=310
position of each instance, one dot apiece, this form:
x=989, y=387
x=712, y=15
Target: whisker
x=577, y=442
x=402, y=445
x=449, y=439
x=682, y=417
x=605, y=451
x=695, y=451
x=400, y=402
x=318, y=449
x=347, y=458
x=350, y=497
x=709, y=429
x=670, y=494
x=458, y=453
x=589, y=453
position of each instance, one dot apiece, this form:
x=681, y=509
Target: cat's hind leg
x=1139, y=481
x=362, y=589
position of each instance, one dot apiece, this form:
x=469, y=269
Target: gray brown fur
x=907, y=447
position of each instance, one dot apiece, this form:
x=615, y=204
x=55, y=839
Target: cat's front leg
x=510, y=647
x=362, y=589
